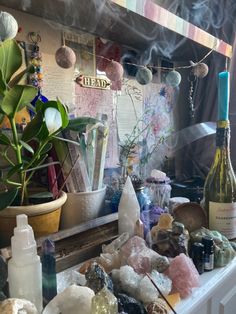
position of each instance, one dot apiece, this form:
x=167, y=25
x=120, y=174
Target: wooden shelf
x=139, y=24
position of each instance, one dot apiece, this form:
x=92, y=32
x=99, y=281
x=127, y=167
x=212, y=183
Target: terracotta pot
x=43, y=218
x=81, y=207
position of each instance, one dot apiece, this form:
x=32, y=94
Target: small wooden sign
x=93, y=82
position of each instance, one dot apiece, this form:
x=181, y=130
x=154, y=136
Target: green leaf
x=17, y=98
x=33, y=128
x=16, y=79
x=3, y=85
x=4, y=140
x=27, y=147
x=39, y=105
x=65, y=140
x=43, y=134
x=79, y=124
x=43, y=165
x=10, y=59
x=6, y=198
x=14, y=170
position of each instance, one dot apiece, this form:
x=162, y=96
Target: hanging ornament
x=8, y=26
x=105, y=52
x=173, y=78
x=65, y=57
x=200, y=70
x=114, y=71
x=143, y=75
x=191, y=79
x=36, y=78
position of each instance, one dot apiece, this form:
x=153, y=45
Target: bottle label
x=209, y=262
x=222, y=217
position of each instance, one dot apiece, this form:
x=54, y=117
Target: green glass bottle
x=220, y=186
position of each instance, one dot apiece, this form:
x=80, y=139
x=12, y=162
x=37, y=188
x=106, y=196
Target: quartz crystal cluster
x=143, y=259
x=139, y=286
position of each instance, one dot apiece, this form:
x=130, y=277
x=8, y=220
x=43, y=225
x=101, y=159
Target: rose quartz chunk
x=133, y=246
x=135, y=253
x=184, y=275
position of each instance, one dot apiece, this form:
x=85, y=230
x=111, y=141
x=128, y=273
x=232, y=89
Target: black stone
x=129, y=305
x=97, y=278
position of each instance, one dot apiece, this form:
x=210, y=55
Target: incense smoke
x=214, y=16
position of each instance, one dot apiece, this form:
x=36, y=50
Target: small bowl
x=192, y=215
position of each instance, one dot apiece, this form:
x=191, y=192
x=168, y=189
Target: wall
x=57, y=81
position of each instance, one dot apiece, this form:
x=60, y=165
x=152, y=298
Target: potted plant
x=16, y=175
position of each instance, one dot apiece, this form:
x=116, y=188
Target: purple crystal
x=150, y=217
x=48, y=247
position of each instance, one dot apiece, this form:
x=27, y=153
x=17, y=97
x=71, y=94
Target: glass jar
x=159, y=191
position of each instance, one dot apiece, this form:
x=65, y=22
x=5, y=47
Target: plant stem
x=17, y=149
x=36, y=154
x=16, y=141
x=4, y=155
x=24, y=193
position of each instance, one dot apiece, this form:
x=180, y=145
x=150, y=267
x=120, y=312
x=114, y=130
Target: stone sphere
x=114, y=71
x=200, y=70
x=173, y=78
x=8, y=26
x=65, y=57
x=143, y=76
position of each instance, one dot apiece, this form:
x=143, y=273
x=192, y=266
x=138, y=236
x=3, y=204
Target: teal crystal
x=48, y=271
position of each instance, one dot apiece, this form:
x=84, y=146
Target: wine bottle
x=220, y=185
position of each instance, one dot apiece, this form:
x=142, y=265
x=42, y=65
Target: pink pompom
x=65, y=57
x=114, y=71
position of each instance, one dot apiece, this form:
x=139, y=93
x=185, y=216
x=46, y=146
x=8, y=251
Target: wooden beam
x=165, y=18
